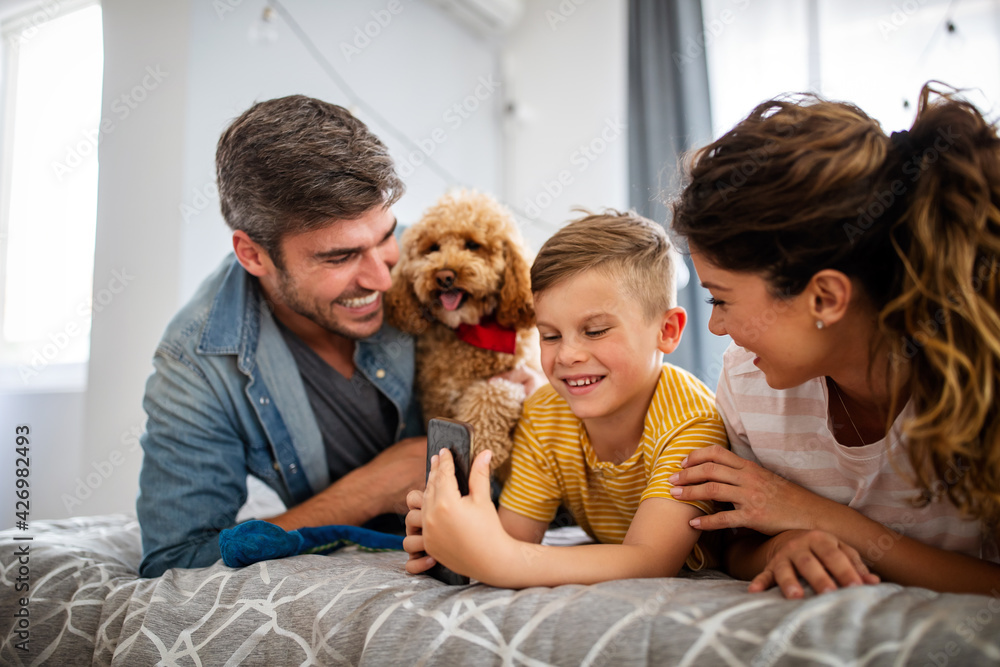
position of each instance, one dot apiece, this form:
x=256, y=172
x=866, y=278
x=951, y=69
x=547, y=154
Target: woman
x=857, y=275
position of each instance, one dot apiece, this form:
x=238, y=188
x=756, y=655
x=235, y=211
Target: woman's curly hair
x=803, y=184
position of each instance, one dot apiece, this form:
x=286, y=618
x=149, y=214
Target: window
x=53, y=67
x=876, y=54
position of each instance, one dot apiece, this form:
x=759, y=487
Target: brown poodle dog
x=462, y=286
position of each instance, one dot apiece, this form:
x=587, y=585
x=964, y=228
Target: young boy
x=603, y=438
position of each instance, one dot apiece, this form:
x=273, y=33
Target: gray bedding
x=88, y=606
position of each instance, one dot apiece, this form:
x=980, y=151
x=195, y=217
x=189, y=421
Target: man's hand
x=394, y=473
x=820, y=558
x=763, y=501
x=378, y=487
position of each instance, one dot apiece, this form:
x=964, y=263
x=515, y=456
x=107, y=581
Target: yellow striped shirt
x=553, y=461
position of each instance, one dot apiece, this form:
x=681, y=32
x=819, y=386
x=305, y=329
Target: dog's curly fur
x=474, y=238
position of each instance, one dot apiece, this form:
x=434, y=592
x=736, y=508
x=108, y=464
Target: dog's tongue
x=450, y=300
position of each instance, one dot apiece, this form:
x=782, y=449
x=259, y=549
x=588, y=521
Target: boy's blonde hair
x=625, y=246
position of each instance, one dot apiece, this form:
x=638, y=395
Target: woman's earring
x=819, y=324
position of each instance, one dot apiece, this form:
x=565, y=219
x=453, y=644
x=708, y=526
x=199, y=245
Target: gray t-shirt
x=357, y=420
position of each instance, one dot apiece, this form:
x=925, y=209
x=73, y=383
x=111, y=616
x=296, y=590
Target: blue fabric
x=226, y=400
x=254, y=541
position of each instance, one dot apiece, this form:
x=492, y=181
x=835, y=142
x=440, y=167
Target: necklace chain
x=847, y=412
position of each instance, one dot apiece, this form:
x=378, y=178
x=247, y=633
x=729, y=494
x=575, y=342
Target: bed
x=88, y=605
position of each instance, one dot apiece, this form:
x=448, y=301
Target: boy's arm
x=656, y=545
x=466, y=535
x=522, y=528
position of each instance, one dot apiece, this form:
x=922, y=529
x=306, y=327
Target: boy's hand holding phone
x=442, y=434
x=455, y=437
x=457, y=521
x=413, y=544
x=454, y=518
x=463, y=532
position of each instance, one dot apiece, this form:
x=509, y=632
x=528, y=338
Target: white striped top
x=789, y=432
x=553, y=460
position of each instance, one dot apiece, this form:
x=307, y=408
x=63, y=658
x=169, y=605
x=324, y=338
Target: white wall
x=56, y=450
x=158, y=218
x=416, y=67
x=138, y=237
x=567, y=142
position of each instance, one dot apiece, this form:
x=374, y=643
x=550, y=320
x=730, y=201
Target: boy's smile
x=582, y=384
x=599, y=352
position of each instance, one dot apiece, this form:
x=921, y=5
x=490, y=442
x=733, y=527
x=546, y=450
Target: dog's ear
x=516, y=309
x=402, y=309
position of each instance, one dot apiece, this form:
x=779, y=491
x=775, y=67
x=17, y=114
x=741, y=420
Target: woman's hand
x=413, y=543
x=463, y=532
x=819, y=557
x=763, y=501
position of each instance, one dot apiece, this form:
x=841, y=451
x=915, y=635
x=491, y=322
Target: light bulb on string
x=263, y=30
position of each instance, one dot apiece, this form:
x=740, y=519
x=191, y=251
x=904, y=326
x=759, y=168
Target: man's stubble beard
x=291, y=296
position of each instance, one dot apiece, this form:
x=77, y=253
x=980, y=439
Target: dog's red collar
x=488, y=335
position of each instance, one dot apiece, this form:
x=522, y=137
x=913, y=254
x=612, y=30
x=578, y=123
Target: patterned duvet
x=87, y=605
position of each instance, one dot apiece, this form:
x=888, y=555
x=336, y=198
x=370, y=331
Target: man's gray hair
x=294, y=164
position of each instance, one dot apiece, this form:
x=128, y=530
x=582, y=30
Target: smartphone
x=457, y=436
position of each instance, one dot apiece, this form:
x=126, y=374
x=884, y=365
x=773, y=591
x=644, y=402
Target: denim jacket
x=226, y=400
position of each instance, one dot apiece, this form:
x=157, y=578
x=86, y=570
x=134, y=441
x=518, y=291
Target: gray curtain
x=669, y=113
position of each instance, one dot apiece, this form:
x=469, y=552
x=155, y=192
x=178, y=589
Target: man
x=280, y=366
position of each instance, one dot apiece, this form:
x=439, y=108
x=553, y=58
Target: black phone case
x=456, y=436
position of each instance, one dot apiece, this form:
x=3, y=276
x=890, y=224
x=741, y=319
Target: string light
x=263, y=30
